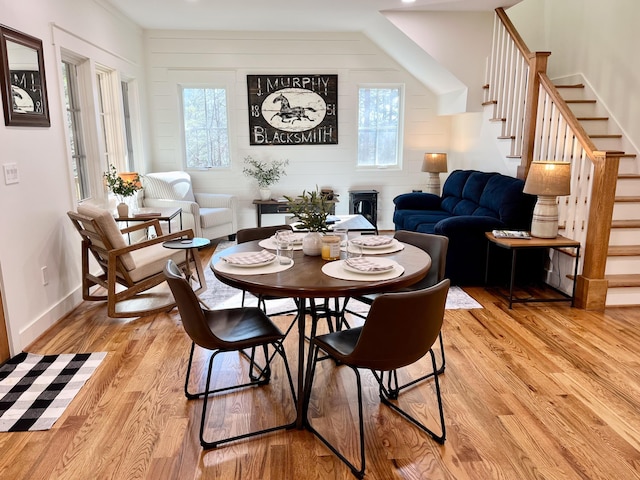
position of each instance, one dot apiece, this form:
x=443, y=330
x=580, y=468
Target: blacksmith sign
x=293, y=109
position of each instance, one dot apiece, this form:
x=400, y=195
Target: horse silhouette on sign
x=289, y=114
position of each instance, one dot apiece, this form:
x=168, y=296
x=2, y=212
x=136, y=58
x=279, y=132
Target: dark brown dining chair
x=436, y=246
x=399, y=330
x=226, y=330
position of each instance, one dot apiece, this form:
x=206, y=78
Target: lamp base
x=433, y=184
x=545, y=217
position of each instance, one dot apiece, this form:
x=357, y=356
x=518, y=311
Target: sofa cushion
x=412, y=222
x=212, y=217
x=168, y=185
x=108, y=225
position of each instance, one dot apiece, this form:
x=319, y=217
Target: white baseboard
x=31, y=332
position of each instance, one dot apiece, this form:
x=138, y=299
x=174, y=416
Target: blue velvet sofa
x=471, y=204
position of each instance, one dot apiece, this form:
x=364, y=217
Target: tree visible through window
x=379, y=114
x=206, y=127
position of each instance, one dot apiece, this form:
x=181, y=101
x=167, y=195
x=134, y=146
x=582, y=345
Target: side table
x=517, y=244
x=191, y=246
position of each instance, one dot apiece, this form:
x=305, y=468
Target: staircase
x=623, y=260
x=543, y=121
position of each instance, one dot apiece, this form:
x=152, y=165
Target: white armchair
x=209, y=215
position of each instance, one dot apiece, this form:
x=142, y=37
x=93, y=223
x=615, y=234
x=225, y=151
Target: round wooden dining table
x=306, y=280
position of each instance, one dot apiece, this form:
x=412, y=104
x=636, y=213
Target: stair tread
x=628, y=176
x=586, y=119
x=623, y=280
x=580, y=101
x=623, y=250
x=606, y=135
x=573, y=85
x=630, y=199
x=625, y=224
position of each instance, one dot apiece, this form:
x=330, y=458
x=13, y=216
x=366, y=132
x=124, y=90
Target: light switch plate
x=11, y=173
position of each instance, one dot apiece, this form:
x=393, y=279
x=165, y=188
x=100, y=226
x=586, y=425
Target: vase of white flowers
x=266, y=173
x=121, y=188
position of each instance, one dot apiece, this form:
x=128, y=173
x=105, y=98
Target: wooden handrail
x=513, y=33
x=568, y=115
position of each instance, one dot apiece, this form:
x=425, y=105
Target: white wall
x=459, y=41
x=592, y=38
x=225, y=58
x=35, y=229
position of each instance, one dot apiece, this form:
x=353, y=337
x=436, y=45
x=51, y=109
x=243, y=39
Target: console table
x=266, y=207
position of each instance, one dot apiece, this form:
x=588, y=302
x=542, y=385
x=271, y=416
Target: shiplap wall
x=225, y=58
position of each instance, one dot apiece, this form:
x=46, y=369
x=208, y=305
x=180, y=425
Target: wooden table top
x=306, y=280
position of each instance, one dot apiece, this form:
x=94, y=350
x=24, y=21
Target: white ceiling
x=281, y=15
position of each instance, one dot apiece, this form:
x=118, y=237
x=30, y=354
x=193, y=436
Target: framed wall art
x=22, y=79
x=293, y=109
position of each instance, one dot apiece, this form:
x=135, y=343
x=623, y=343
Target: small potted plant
x=311, y=210
x=266, y=173
x=121, y=188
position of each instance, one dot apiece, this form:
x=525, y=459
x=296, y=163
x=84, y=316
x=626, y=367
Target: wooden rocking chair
x=129, y=272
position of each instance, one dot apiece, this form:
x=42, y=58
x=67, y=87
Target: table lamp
x=434, y=163
x=132, y=177
x=547, y=180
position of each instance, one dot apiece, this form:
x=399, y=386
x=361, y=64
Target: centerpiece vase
x=312, y=244
x=265, y=193
x=123, y=209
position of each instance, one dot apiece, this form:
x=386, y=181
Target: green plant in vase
x=266, y=173
x=311, y=210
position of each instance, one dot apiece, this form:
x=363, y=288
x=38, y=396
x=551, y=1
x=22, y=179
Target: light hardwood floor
x=542, y=391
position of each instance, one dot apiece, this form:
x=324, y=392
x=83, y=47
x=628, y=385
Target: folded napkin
x=372, y=240
x=249, y=258
x=292, y=237
x=366, y=264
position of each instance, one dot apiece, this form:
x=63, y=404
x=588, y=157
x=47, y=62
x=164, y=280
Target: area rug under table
x=219, y=295
x=35, y=390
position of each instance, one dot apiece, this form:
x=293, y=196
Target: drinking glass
x=343, y=233
x=284, y=248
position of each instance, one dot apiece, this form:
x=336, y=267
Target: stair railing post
x=591, y=286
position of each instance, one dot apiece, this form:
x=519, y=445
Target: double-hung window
x=205, y=123
x=380, y=111
x=79, y=164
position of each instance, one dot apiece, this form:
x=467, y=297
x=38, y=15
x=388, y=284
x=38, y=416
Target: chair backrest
x=259, y=233
x=193, y=318
x=99, y=229
x=436, y=246
x=168, y=185
x=400, y=328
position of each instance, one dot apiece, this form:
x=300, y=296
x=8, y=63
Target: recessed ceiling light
x=408, y=1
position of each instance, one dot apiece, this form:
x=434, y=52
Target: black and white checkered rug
x=36, y=389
